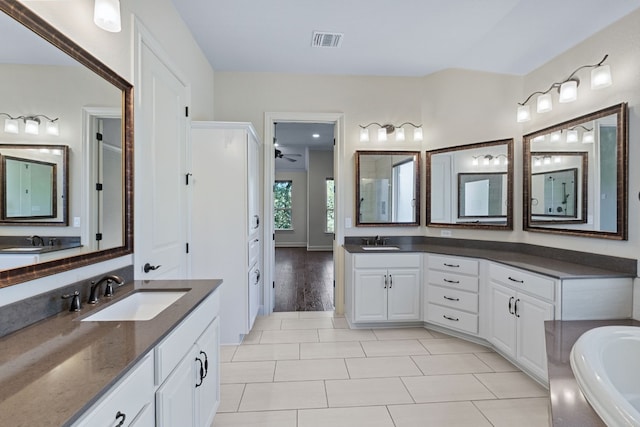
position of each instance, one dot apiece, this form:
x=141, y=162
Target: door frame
x=269, y=176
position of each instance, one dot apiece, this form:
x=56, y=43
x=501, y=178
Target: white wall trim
x=319, y=248
x=291, y=245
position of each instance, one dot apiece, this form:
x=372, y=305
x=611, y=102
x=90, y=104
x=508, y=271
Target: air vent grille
x=323, y=39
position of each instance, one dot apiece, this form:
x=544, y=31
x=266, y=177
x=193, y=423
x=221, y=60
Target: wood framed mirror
x=87, y=75
x=387, y=188
x=471, y=186
x=593, y=149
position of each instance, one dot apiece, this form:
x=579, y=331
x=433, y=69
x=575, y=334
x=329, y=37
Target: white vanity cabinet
x=452, y=290
x=128, y=403
x=226, y=223
x=383, y=288
x=519, y=303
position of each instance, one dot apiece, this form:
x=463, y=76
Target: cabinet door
x=208, y=393
x=176, y=396
x=370, y=295
x=502, y=321
x=531, y=314
x=253, y=184
x=403, y=294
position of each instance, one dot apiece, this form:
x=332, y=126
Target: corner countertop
x=562, y=270
x=569, y=407
x=54, y=370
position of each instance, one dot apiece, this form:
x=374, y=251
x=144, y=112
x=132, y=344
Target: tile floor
x=307, y=369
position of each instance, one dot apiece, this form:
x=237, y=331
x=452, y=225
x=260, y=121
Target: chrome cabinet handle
x=515, y=280
x=451, y=299
x=455, y=319
x=455, y=282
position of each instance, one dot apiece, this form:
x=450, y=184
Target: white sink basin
x=606, y=363
x=142, y=305
x=380, y=248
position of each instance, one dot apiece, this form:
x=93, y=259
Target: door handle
x=148, y=267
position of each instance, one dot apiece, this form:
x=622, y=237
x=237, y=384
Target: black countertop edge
x=569, y=407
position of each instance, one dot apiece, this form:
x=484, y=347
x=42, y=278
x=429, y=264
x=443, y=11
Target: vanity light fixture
x=388, y=129
x=106, y=15
x=31, y=124
x=567, y=88
x=488, y=159
x=546, y=160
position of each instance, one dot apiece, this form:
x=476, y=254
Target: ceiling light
x=106, y=15
x=316, y=135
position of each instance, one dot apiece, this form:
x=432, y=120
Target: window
x=282, y=205
x=330, y=206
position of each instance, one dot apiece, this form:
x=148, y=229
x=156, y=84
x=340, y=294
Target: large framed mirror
x=471, y=186
x=48, y=77
x=575, y=176
x=387, y=188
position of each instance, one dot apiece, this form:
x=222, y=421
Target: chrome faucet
x=108, y=290
x=36, y=240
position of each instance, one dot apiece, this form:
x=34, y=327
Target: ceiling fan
x=289, y=157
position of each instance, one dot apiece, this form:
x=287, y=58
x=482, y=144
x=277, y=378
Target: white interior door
x=160, y=196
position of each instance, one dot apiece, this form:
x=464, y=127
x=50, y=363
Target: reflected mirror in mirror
x=34, y=183
x=89, y=196
x=470, y=186
x=387, y=188
x=558, y=187
x=575, y=176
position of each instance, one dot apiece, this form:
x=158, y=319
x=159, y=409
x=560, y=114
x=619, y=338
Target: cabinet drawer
x=523, y=281
x=173, y=348
x=452, y=280
x=411, y=260
x=129, y=397
x=454, y=264
x=452, y=318
x=254, y=251
x=453, y=298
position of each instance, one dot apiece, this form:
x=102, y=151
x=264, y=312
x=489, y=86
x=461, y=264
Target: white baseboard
x=291, y=244
x=319, y=248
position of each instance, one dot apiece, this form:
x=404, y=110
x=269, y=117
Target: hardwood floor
x=304, y=280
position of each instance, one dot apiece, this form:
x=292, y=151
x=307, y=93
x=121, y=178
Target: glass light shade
x=572, y=136
x=556, y=136
x=496, y=161
x=382, y=134
x=106, y=15
x=11, y=126
x=537, y=162
x=486, y=161
x=544, y=103
x=417, y=134
x=364, y=135
x=399, y=134
x=557, y=159
x=588, y=137
x=524, y=114
x=539, y=138
x=52, y=128
x=601, y=77
x=568, y=91
x=474, y=162
x=31, y=127
x=547, y=160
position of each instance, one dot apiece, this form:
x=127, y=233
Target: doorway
x=300, y=262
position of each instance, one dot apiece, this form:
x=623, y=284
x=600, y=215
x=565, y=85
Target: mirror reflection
x=387, y=188
x=575, y=176
x=56, y=96
x=33, y=184
x=471, y=185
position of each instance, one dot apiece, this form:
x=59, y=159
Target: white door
x=531, y=314
x=370, y=288
x=160, y=188
x=502, y=318
x=403, y=297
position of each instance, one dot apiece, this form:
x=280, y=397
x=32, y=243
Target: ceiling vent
x=322, y=39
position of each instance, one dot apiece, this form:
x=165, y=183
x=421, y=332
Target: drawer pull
x=455, y=282
x=120, y=415
x=515, y=280
x=452, y=265
x=450, y=318
x=451, y=299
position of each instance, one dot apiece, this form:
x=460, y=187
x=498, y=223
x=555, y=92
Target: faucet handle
x=75, y=301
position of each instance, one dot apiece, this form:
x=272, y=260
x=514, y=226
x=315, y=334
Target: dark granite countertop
x=26, y=250
x=537, y=264
x=569, y=407
x=54, y=370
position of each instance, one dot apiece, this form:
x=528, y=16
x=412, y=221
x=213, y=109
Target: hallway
x=304, y=280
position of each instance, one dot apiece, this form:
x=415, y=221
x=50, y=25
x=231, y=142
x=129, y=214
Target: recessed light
x=316, y=135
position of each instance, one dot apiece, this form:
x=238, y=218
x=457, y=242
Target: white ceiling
x=394, y=37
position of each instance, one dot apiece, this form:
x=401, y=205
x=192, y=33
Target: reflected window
x=282, y=205
x=330, y=205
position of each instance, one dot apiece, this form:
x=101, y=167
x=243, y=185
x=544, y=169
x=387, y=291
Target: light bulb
x=417, y=134
x=568, y=91
x=524, y=114
x=364, y=135
x=601, y=77
x=382, y=134
x=399, y=134
x=106, y=15
x=544, y=103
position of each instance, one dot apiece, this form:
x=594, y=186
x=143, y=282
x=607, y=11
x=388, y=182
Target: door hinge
x=98, y=237
x=187, y=248
x=98, y=186
x=274, y=237
x=334, y=142
x=274, y=285
x=99, y=136
x=334, y=283
x=187, y=178
x=186, y=111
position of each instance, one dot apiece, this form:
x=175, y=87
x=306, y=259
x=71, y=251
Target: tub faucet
x=108, y=291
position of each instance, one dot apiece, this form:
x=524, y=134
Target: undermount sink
x=606, y=364
x=380, y=248
x=141, y=305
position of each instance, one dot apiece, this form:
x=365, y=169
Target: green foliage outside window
x=282, y=205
